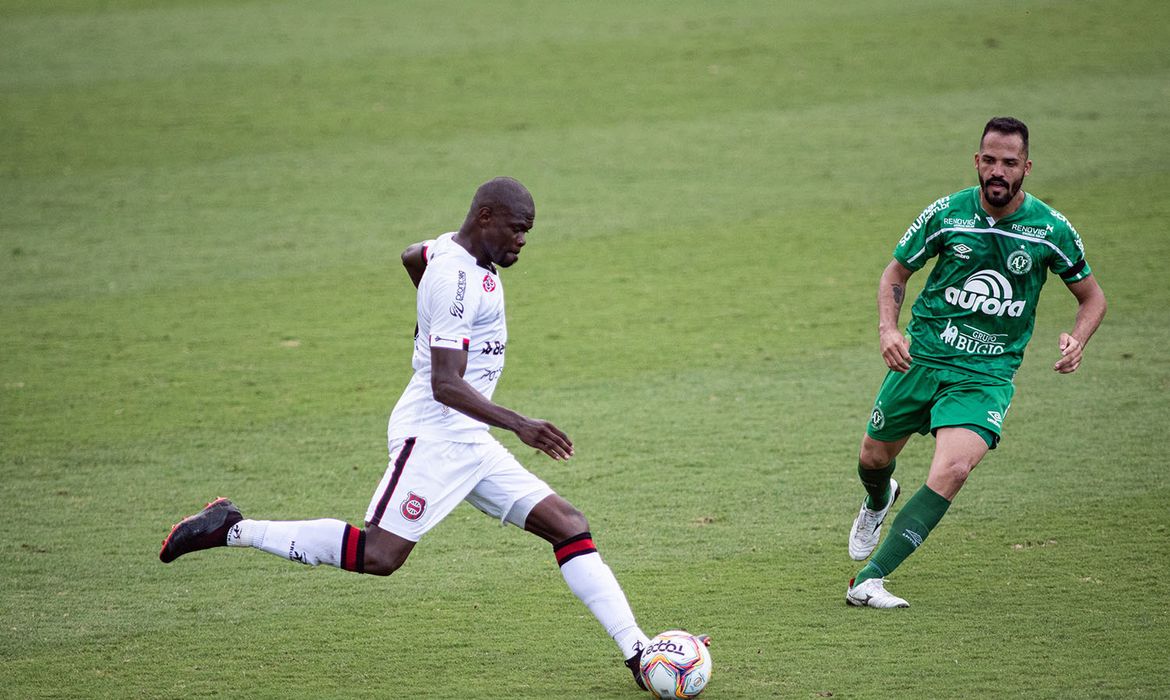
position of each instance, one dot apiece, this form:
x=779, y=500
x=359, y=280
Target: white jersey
x=460, y=306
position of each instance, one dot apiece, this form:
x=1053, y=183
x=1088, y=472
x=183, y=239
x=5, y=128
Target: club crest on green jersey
x=1019, y=262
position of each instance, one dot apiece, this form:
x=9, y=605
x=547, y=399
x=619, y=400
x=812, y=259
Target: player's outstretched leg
x=588, y=576
x=323, y=541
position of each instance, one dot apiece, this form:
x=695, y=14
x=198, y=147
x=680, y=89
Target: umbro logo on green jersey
x=987, y=292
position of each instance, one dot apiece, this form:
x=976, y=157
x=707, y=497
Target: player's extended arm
x=450, y=388
x=1090, y=311
x=415, y=262
x=891, y=293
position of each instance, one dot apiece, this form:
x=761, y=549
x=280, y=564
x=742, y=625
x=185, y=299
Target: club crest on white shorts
x=413, y=507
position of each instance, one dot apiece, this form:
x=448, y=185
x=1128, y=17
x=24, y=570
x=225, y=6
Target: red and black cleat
x=206, y=529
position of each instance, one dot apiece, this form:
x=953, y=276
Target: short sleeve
x=922, y=241
x=451, y=305
x=1069, y=262
x=428, y=250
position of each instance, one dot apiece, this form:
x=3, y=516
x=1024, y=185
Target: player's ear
x=484, y=215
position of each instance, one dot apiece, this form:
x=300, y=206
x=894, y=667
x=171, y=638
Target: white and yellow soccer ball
x=676, y=664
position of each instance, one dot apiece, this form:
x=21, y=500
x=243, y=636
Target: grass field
x=201, y=209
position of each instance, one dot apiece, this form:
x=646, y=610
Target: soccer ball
x=676, y=664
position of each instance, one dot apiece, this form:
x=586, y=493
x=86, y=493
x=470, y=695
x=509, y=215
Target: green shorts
x=925, y=399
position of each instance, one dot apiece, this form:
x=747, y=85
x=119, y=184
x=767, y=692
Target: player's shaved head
x=503, y=193
x=501, y=214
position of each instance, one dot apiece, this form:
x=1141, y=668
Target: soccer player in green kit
x=995, y=245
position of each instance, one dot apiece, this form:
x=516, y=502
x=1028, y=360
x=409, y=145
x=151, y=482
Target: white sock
x=247, y=533
x=309, y=542
x=593, y=582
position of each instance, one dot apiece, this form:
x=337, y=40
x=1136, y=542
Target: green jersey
x=978, y=307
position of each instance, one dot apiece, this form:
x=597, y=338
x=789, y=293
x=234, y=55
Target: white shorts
x=427, y=478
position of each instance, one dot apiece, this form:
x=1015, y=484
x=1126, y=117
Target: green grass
x=201, y=208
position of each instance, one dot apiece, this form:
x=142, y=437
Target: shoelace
x=869, y=520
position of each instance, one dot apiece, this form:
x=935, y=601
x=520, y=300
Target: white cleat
x=867, y=526
x=872, y=593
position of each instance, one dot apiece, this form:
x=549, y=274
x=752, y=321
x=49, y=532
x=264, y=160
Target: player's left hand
x=545, y=437
x=1071, y=351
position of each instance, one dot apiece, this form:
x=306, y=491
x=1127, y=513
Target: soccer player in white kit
x=441, y=452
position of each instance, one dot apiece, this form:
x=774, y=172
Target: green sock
x=877, y=484
x=914, y=522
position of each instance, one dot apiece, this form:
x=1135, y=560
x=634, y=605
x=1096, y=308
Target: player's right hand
x=545, y=437
x=895, y=350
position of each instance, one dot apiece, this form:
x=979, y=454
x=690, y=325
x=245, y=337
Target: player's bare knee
x=874, y=455
x=377, y=565
x=383, y=562
x=957, y=470
x=374, y=569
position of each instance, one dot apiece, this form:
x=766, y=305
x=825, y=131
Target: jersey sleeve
x=1069, y=261
x=923, y=240
x=451, y=305
x=428, y=250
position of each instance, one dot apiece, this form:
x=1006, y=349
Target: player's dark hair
x=1006, y=125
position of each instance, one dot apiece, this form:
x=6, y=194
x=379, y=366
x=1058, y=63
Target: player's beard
x=1010, y=189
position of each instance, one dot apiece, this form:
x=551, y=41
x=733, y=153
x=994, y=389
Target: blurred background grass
x=202, y=208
